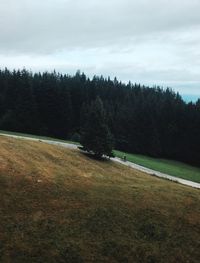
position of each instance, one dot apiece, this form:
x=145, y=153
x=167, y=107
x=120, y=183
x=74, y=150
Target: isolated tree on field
x=96, y=136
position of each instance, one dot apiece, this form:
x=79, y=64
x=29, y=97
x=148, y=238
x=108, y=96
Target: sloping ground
x=170, y=167
x=58, y=205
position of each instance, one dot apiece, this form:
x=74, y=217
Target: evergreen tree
x=96, y=136
x=150, y=121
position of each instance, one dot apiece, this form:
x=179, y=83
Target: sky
x=153, y=42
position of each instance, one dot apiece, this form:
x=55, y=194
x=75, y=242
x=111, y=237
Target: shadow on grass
x=92, y=156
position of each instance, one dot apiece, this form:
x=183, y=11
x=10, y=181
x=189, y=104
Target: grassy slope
x=170, y=167
x=58, y=205
x=177, y=169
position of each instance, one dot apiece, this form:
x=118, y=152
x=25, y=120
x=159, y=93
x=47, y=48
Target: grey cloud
x=49, y=26
x=152, y=42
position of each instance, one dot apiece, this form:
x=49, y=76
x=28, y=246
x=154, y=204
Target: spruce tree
x=96, y=136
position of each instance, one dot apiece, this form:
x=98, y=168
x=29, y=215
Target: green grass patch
x=174, y=168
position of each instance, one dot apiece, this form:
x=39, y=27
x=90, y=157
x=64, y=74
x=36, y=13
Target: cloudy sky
x=153, y=42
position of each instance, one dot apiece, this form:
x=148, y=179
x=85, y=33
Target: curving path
x=118, y=160
x=158, y=174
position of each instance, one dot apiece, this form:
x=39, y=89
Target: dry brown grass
x=59, y=205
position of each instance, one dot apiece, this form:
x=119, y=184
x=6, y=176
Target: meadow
x=60, y=205
x=174, y=168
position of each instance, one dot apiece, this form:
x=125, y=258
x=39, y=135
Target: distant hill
x=59, y=205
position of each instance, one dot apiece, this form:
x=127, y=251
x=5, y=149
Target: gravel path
x=118, y=160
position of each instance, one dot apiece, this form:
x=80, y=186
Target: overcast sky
x=148, y=42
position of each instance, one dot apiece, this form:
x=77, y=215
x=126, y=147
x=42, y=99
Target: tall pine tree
x=96, y=136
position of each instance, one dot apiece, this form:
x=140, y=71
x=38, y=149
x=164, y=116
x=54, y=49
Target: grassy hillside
x=177, y=169
x=58, y=205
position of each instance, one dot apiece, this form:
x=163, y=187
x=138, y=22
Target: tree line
x=151, y=121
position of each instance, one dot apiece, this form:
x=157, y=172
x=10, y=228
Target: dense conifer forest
x=151, y=121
